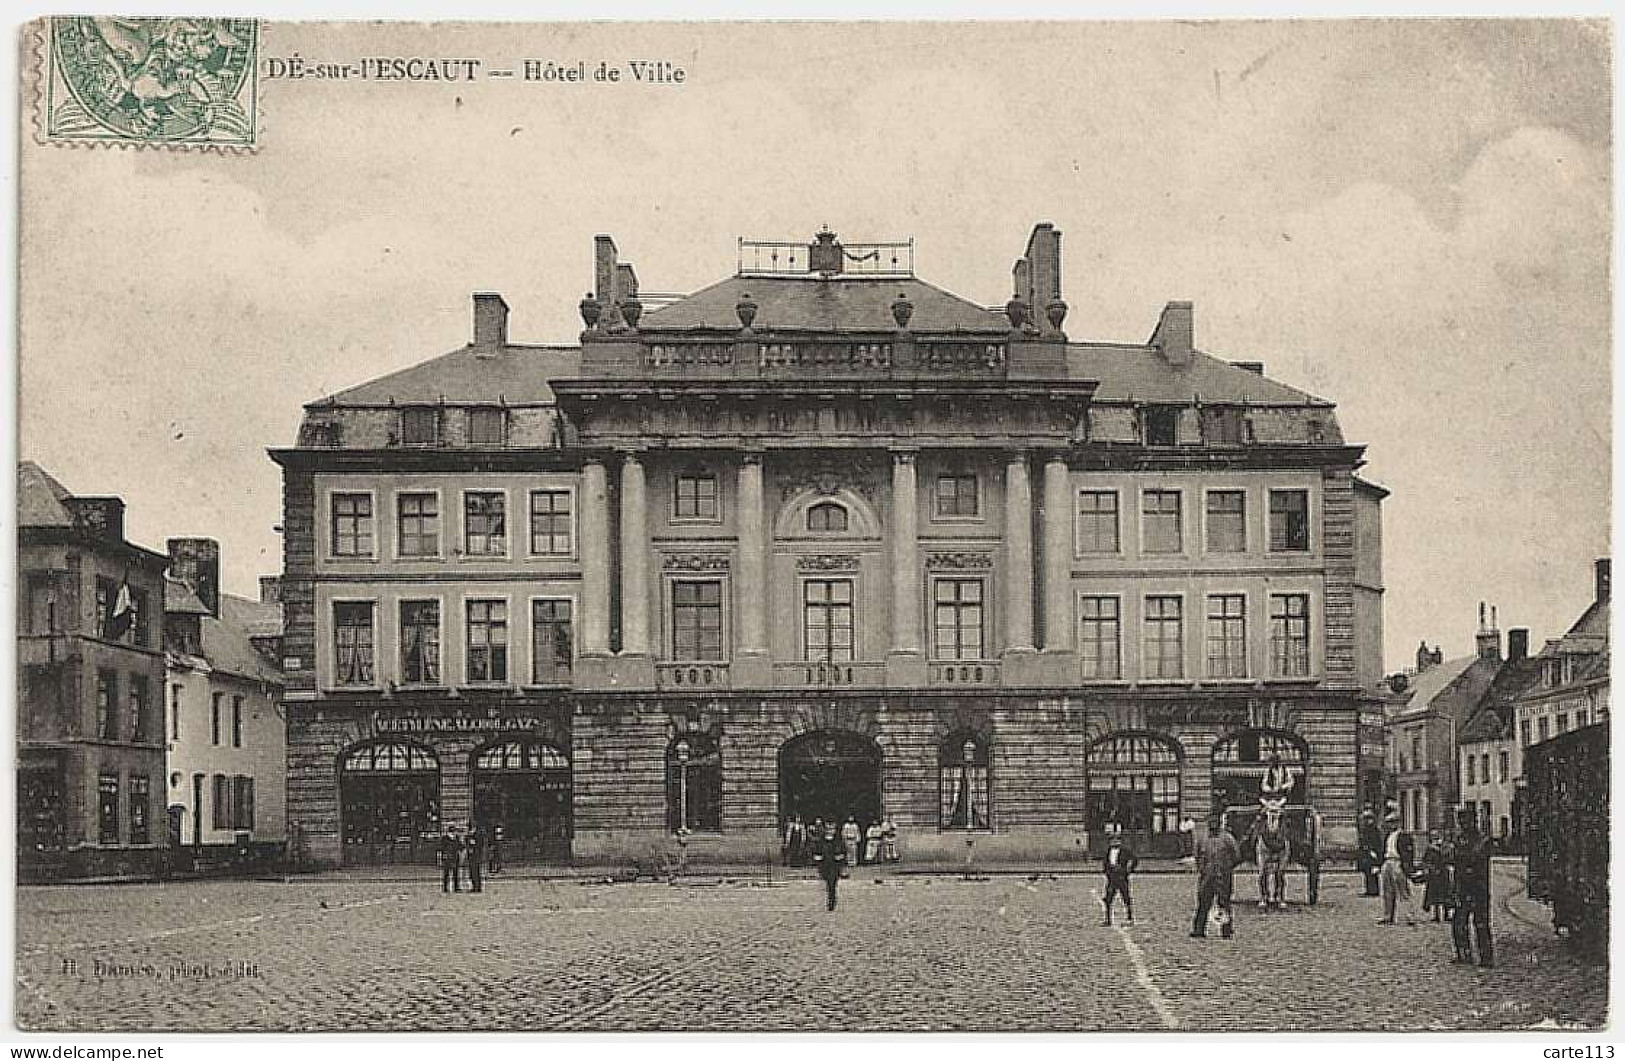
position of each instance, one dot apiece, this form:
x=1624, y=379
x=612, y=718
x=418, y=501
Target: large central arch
x=831, y=774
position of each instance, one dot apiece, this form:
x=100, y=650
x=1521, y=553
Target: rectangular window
x=956, y=495
x=1416, y=749
x=1580, y=718
x=1164, y=637
x=420, y=425
x=1563, y=723
x=1160, y=521
x=1160, y=425
x=1100, y=638
x=140, y=707
x=1523, y=732
x=827, y=620
x=695, y=497
x=550, y=523
x=696, y=620
x=485, y=523
x=1227, y=636
x=215, y=705
x=141, y=624
x=1484, y=767
x=1289, y=521
x=1226, y=521
x=106, y=589
x=1097, y=521
x=352, y=525
x=486, y=426
x=140, y=798
x=1472, y=771
x=222, y=801
x=175, y=712
x=236, y=722
x=419, y=524
x=487, y=641
x=242, y=803
x=106, y=705
x=352, y=644
x=107, y=808
x=1545, y=727
x=420, y=642
x=552, y=642
x=1289, y=635
x=1223, y=425
x=958, y=618
x=1505, y=763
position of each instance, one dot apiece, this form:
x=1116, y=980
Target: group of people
x=863, y=844
x=1216, y=859
x=471, y=854
x=1454, y=874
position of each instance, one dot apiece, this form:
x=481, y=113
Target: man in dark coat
x=1118, y=863
x=451, y=855
x=476, y=856
x=829, y=855
x=1472, y=866
x=1369, y=860
x=1216, y=859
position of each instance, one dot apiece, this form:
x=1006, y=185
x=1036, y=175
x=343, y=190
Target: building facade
x=823, y=540
x=226, y=743
x=90, y=677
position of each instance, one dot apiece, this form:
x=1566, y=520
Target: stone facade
x=820, y=541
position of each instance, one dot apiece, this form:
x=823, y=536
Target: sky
x=1411, y=219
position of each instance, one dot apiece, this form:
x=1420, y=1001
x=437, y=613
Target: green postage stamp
x=183, y=82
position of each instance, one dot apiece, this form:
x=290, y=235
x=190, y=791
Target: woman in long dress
x=871, y=843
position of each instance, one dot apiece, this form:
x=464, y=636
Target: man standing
x=494, y=866
x=1117, y=863
x=476, y=856
x=1398, y=867
x=1216, y=859
x=850, y=835
x=829, y=854
x=1369, y=859
x=451, y=853
x=1472, y=866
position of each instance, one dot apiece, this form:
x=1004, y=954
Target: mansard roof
x=850, y=304
x=1140, y=373
x=511, y=373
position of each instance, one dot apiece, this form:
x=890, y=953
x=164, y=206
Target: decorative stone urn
x=902, y=310
x=1056, y=311
x=1016, y=310
x=631, y=310
x=746, y=308
x=591, y=311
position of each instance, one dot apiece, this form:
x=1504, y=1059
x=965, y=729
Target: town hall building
x=821, y=539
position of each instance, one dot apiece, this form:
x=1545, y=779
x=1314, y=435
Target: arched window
x=694, y=783
x=390, y=757
x=1241, y=760
x=522, y=755
x=522, y=787
x=963, y=782
x=828, y=517
x=1134, y=787
x=389, y=802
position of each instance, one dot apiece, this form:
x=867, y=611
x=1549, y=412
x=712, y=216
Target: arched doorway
x=523, y=787
x=389, y=799
x=1134, y=787
x=830, y=774
x=1239, y=762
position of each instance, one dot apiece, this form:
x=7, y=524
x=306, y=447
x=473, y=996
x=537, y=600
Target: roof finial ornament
x=902, y=309
x=746, y=309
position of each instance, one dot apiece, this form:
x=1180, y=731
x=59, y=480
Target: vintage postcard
x=813, y=527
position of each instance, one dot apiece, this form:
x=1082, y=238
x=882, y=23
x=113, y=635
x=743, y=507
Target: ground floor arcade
x=617, y=778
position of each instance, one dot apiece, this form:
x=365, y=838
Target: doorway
x=830, y=774
x=389, y=797
x=523, y=788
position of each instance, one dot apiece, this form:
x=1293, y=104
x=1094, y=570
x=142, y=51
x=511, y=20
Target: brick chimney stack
x=196, y=562
x=1489, y=636
x=1604, y=572
x=1517, y=645
x=490, y=320
x=1175, y=335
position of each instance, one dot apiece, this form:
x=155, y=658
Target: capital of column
x=904, y=456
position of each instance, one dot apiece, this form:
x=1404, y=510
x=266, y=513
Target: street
x=906, y=953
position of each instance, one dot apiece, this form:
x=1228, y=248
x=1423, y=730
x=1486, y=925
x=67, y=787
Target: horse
x=1272, y=846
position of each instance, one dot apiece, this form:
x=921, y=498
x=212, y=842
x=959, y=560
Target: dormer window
x=1159, y=425
x=420, y=425
x=827, y=517
x=1223, y=425
x=486, y=427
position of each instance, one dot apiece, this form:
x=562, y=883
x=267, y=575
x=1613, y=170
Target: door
x=830, y=774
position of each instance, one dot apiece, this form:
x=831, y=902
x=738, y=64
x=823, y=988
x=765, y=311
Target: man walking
x=476, y=856
x=1472, y=867
x=1216, y=859
x=451, y=854
x=1398, y=868
x=829, y=855
x=1118, y=863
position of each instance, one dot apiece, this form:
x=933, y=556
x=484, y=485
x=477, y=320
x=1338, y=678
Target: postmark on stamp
x=176, y=82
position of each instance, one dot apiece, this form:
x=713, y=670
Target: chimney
x=606, y=271
x=1604, y=571
x=270, y=589
x=1489, y=637
x=490, y=320
x=1424, y=658
x=1175, y=334
x=1043, y=270
x=102, y=517
x=196, y=562
x=1517, y=645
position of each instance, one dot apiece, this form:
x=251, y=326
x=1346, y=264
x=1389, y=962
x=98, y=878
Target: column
x=752, y=668
x=594, y=559
x=1059, y=635
x=634, y=558
x=1018, y=555
x=907, y=666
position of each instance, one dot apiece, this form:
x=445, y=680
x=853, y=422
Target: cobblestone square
x=1009, y=953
